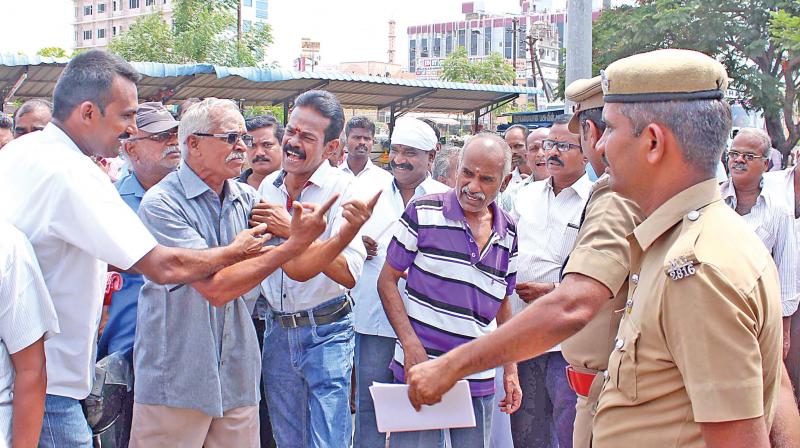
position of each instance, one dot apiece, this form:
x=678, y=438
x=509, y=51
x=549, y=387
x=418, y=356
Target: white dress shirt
x=369, y=316
x=76, y=223
x=286, y=295
x=26, y=313
x=773, y=224
x=371, y=176
x=547, y=226
x=779, y=188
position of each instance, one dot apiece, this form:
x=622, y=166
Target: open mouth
x=294, y=154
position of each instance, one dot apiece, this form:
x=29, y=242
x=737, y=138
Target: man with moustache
x=536, y=160
x=153, y=153
x=516, y=136
x=413, y=146
x=196, y=358
x=265, y=154
x=770, y=219
x=360, y=137
x=83, y=225
x=459, y=249
x=308, y=343
x=548, y=213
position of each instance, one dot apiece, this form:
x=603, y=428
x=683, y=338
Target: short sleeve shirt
x=26, y=313
x=77, y=224
x=454, y=288
x=700, y=338
x=188, y=353
x=602, y=253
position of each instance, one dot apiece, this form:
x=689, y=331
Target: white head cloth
x=414, y=133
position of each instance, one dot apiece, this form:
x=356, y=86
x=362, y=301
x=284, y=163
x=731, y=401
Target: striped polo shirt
x=454, y=289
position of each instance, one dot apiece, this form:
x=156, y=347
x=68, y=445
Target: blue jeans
x=373, y=355
x=307, y=377
x=547, y=415
x=64, y=425
x=477, y=437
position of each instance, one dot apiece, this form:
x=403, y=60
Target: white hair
x=760, y=134
x=496, y=139
x=202, y=117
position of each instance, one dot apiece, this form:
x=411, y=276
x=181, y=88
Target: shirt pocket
x=623, y=361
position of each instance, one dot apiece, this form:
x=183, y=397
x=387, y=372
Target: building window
x=509, y=40
x=87, y=35
x=101, y=33
x=412, y=55
x=437, y=47
x=521, y=41
x=487, y=41
x=246, y=25
x=114, y=5
x=133, y=4
x=448, y=44
x=248, y=2
x=149, y=2
x=473, y=42
x=101, y=8
x=77, y=10
x=87, y=10
x=423, y=53
x=462, y=38
x=261, y=9
x=113, y=31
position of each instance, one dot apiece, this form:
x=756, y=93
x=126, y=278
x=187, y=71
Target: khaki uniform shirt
x=602, y=253
x=700, y=338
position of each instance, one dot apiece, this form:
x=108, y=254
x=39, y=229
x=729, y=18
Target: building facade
x=482, y=33
x=99, y=21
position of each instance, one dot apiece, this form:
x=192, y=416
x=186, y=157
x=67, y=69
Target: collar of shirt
x=451, y=209
x=582, y=187
x=728, y=192
x=425, y=187
x=193, y=186
x=56, y=133
x=130, y=185
x=674, y=210
x=346, y=168
x=245, y=174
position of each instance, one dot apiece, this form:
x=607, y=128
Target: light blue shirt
x=369, y=317
x=190, y=354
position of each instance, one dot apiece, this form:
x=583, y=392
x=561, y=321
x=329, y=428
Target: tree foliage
x=753, y=38
x=52, y=52
x=493, y=70
x=202, y=31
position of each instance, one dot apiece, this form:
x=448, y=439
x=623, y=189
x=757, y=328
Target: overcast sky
x=349, y=30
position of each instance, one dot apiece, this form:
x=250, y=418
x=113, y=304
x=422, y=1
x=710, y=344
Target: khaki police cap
x=586, y=94
x=664, y=75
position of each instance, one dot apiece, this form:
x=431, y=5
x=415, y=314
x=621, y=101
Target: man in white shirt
x=360, y=137
x=784, y=187
x=536, y=159
x=413, y=145
x=548, y=216
x=78, y=224
x=27, y=318
x=771, y=220
x=308, y=342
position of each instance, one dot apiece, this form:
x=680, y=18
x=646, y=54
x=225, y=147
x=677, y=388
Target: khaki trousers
x=164, y=426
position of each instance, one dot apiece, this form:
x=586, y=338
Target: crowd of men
x=270, y=275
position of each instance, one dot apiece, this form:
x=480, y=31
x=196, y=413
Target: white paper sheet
x=394, y=413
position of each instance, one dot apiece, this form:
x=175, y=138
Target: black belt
x=322, y=316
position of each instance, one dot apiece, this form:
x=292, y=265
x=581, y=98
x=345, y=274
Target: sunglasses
x=161, y=137
x=230, y=137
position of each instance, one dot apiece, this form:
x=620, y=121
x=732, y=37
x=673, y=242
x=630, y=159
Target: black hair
x=88, y=77
x=328, y=106
x=265, y=121
x=595, y=115
x=562, y=119
x=5, y=122
x=360, y=122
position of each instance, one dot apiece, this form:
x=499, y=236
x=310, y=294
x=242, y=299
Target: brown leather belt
x=580, y=382
x=322, y=316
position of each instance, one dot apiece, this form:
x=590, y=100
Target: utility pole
x=578, y=42
x=239, y=32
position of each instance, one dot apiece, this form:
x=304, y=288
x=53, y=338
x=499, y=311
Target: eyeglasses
x=748, y=156
x=161, y=137
x=547, y=145
x=230, y=137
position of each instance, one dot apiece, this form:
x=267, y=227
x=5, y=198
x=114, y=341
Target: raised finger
x=323, y=209
x=374, y=200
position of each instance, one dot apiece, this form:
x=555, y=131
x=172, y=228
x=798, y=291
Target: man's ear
x=654, y=136
x=87, y=110
x=331, y=147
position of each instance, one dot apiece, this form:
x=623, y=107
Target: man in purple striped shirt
x=460, y=250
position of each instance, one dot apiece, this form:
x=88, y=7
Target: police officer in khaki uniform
x=697, y=358
x=602, y=253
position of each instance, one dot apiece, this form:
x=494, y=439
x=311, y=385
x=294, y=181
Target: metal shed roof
x=34, y=76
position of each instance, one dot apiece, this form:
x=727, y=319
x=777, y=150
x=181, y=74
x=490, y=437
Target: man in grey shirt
x=196, y=358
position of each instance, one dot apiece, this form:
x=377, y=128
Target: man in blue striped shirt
x=459, y=249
